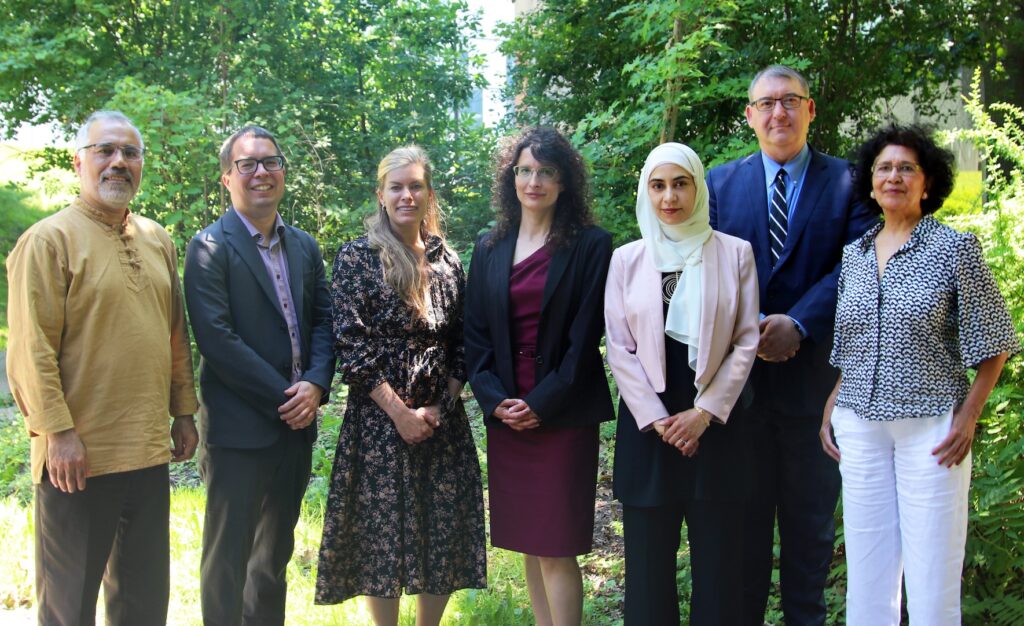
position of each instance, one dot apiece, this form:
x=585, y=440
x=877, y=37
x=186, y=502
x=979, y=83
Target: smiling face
x=672, y=192
x=406, y=197
x=108, y=183
x=899, y=194
x=781, y=132
x=255, y=195
x=536, y=195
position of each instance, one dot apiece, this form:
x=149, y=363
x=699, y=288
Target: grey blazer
x=242, y=333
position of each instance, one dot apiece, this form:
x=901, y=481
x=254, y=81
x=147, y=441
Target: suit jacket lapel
x=709, y=303
x=649, y=296
x=501, y=269
x=559, y=263
x=238, y=237
x=816, y=180
x=758, y=195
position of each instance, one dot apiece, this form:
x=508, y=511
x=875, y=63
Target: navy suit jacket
x=571, y=388
x=242, y=333
x=803, y=282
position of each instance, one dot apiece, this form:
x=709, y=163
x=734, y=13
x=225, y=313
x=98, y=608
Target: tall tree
x=341, y=81
x=623, y=75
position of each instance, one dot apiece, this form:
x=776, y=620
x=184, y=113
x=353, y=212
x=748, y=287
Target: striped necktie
x=778, y=216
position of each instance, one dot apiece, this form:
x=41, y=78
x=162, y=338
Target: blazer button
x=539, y=359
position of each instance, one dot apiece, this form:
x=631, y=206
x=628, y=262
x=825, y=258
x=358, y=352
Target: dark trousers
x=796, y=481
x=652, y=540
x=253, y=498
x=115, y=531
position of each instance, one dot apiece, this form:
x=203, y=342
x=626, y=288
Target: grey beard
x=116, y=194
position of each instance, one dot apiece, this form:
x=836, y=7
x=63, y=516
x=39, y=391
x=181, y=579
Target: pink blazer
x=635, y=327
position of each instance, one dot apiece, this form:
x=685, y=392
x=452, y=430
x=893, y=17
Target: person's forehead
x=113, y=131
x=252, y=146
x=769, y=85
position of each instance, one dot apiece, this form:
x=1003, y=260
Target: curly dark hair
x=936, y=162
x=572, y=209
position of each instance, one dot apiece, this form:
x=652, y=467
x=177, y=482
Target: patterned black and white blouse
x=904, y=341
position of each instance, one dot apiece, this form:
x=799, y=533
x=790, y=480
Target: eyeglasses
x=905, y=169
x=270, y=164
x=790, y=101
x=545, y=174
x=108, y=150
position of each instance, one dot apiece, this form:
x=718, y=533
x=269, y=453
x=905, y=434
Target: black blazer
x=803, y=282
x=571, y=388
x=242, y=334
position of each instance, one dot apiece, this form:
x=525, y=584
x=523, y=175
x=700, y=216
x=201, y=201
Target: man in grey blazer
x=261, y=315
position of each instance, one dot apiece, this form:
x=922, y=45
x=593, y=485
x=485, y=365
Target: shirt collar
x=103, y=217
x=256, y=234
x=921, y=231
x=795, y=167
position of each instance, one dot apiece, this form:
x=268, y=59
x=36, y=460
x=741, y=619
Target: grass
x=503, y=602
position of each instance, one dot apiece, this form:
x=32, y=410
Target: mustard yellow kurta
x=97, y=337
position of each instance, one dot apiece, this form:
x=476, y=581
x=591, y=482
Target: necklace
x=668, y=285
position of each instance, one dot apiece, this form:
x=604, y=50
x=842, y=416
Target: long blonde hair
x=402, y=269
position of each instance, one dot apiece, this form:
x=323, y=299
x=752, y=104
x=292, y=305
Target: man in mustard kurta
x=99, y=362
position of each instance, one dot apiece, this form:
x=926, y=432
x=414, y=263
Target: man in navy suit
x=794, y=205
x=261, y=315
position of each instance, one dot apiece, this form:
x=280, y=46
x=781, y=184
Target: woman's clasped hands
x=683, y=430
x=516, y=414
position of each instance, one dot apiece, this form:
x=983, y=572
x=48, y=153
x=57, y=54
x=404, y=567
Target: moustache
x=120, y=172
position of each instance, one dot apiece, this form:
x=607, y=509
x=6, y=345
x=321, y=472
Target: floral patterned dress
x=400, y=517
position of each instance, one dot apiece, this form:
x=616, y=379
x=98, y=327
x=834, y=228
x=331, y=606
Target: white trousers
x=901, y=510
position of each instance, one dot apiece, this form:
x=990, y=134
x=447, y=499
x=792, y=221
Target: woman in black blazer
x=534, y=320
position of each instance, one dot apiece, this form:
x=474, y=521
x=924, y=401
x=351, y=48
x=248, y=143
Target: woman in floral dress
x=405, y=508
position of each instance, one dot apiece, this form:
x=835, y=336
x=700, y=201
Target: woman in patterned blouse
x=917, y=307
x=405, y=508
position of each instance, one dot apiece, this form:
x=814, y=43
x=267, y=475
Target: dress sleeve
x=355, y=292
x=986, y=328
x=456, y=344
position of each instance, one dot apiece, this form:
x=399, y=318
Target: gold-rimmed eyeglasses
x=904, y=169
x=545, y=173
x=108, y=150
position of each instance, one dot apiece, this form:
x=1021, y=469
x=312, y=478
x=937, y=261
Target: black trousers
x=115, y=531
x=253, y=499
x=797, y=482
x=652, y=537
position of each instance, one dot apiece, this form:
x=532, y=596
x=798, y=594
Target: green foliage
x=15, y=479
x=622, y=75
x=340, y=83
x=966, y=197
x=1000, y=144
x=16, y=214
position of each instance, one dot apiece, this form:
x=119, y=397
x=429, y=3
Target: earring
x=924, y=196
x=872, y=195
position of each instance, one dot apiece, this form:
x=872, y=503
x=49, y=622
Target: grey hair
x=779, y=71
x=229, y=144
x=82, y=138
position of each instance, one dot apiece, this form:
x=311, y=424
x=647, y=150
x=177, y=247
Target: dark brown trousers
x=114, y=532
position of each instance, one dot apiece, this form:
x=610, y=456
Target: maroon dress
x=542, y=482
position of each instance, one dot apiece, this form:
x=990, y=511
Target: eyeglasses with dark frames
x=108, y=150
x=790, y=101
x=270, y=164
